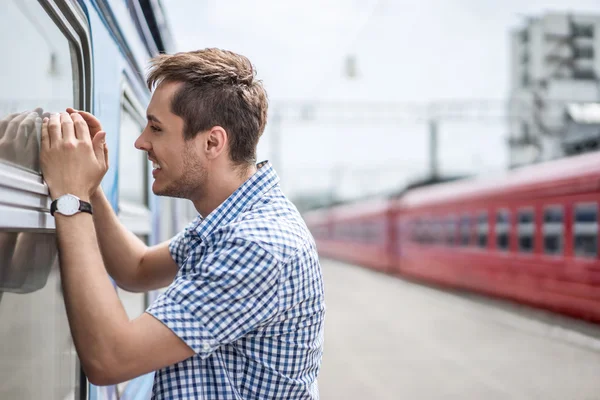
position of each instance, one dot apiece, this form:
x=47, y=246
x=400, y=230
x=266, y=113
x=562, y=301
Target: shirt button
x=206, y=346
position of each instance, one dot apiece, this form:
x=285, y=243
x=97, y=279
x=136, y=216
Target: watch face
x=67, y=205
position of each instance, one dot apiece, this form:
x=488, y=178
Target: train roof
x=538, y=176
x=366, y=207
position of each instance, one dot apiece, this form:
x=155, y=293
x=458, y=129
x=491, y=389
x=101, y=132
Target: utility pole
x=276, y=148
x=433, y=149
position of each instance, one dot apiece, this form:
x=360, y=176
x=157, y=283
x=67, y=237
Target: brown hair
x=219, y=88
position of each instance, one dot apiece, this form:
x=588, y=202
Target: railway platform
x=389, y=339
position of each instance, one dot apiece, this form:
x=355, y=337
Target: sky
x=404, y=52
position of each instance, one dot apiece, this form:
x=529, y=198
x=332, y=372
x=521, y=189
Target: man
x=242, y=317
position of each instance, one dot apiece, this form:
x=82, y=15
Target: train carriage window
x=482, y=230
x=36, y=77
x=438, y=230
x=553, y=230
x=526, y=230
x=133, y=163
x=42, y=70
x=465, y=230
x=585, y=230
x=133, y=168
x=451, y=231
x=502, y=229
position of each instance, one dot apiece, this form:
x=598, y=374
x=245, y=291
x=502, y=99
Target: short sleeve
x=231, y=291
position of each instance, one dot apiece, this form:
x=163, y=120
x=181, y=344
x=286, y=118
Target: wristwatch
x=69, y=204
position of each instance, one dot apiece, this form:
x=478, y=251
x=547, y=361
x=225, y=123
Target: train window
x=502, y=229
x=482, y=230
x=133, y=166
x=585, y=231
x=34, y=82
x=438, y=230
x=451, y=231
x=42, y=70
x=465, y=230
x=526, y=230
x=133, y=163
x=553, y=230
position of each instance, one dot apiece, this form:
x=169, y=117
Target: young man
x=242, y=317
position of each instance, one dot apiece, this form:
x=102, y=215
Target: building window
x=583, y=30
x=526, y=230
x=553, y=230
x=502, y=230
x=585, y=230
x=583, y=52
x=482, y=230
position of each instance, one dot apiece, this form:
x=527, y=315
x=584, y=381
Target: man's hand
x=94, y=126
x=71, y=161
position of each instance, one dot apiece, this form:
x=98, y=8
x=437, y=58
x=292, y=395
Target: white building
x=555, y=62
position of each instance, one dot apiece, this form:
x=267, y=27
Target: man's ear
x=216, y=142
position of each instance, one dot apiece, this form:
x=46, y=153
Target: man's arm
x=111, y=348
x=133, y=265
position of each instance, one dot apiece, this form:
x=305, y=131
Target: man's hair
x=219, y=88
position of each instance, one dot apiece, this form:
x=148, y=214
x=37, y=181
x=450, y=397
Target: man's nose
x=141, y=143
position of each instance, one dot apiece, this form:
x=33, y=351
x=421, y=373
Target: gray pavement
x=386, y=338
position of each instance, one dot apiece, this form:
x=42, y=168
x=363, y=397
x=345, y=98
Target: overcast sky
x=405, y=51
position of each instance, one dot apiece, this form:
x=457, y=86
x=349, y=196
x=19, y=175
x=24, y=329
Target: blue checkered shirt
x=248, y=299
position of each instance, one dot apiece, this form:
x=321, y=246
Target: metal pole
x=276, y=147
x=433, y=149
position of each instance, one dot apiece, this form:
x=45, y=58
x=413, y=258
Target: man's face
x=179, y=169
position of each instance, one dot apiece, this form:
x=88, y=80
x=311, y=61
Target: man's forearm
x=122, y=251
x=96, y=315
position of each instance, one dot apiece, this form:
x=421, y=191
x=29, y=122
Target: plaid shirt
x=248, y=299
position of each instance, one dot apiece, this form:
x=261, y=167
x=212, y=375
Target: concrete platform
x=391, y=339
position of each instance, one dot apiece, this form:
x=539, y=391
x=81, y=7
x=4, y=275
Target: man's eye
x=154, y=128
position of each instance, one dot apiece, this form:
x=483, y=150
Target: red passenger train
x=530, y=235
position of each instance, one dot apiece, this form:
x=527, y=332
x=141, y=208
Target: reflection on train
x=530, y=235
x=49, y=64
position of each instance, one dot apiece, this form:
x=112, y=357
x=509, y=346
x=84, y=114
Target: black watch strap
x=84, y=206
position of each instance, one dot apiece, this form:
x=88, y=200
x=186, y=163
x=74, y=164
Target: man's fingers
x=93, y=122
x=98, y=143
x=82, y=132
x=68, y=128
x=54, y=131
x=45, y=138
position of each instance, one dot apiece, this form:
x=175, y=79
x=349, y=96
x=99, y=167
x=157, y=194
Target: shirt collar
x=245, y=196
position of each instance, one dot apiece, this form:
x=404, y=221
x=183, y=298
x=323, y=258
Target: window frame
x=503, y=228
x=554, y=228
x=593, y=226
x=482, y=227
x=526, y=229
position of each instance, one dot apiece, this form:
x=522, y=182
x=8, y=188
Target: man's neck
x=219, y=189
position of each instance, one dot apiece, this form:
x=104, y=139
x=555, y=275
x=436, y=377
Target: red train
x=530, y=235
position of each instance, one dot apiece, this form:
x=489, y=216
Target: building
x=555, y=63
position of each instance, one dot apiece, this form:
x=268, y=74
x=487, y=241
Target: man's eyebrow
x=152, y=118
